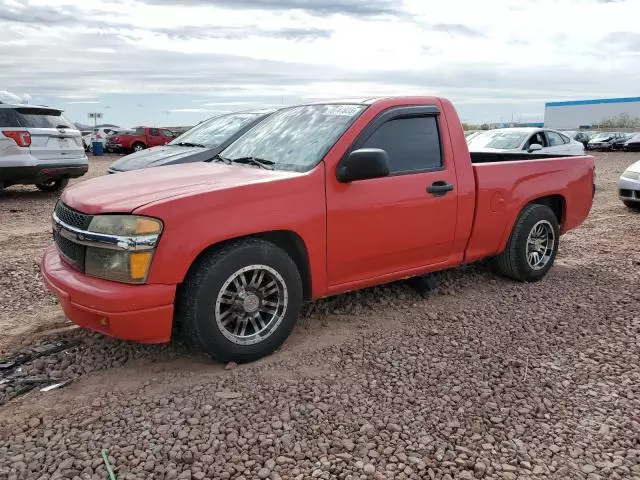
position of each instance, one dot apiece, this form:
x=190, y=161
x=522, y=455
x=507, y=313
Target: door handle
x=439, y=188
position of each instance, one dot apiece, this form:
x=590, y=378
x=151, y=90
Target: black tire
x=196, y=303
x=632, y=205
x=513, y=261
x=53, y=185
x=138, y=147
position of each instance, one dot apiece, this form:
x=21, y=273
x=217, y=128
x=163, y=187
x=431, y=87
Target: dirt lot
x=485, y=379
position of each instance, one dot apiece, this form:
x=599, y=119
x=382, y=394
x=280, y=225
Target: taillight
x=22, y=138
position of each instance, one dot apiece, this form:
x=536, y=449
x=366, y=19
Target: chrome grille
x=72, y=253
x=72, y=217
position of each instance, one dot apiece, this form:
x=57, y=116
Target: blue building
x=581, y=113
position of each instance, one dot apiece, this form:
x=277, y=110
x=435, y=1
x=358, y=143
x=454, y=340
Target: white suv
x=39, y=146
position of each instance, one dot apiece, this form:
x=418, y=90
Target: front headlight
x=629, y=175
x=125, y=225
x=128, y=257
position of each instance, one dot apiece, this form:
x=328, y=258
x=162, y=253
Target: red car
x=316, y=200
x=143, y=137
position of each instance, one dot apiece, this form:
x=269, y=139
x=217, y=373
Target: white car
x=629, y=186
x=39, y=146
x=525, y=140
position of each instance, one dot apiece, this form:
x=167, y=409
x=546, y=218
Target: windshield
x=42, y=118
x=498, y=139
x=296, y=138
x=215, y=131
x=602, y=136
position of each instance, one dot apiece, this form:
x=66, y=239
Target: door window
x=167, y=133
x=412, y=144
x=555, y=140
x=536, y=138
x=154, y=132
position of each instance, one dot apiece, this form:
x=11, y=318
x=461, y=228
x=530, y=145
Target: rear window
x=42, y=118
x=8, y=118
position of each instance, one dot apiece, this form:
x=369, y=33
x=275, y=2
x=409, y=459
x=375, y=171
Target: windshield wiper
x=260, y=162
x=219, y=158
x=189, y=144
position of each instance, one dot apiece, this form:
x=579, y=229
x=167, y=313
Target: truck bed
x=505, y=185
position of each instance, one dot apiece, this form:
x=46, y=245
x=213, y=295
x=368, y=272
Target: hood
x=601, y=140
x=634, y=167
x=164, y=155
x=124, y=192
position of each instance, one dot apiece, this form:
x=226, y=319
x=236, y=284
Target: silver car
x=39, y=146
x=629, y=186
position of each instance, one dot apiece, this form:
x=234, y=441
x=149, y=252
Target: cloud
x=234, y=54
x=457, y=29
x=315, y=7
x=10, y=97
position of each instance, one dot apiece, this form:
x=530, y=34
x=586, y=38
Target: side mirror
x=363, y=164
x=534, y=147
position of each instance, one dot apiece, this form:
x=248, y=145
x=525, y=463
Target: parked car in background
x=469, y=134
x=632, y=144
x=142, y=138
x=39, y=146
x=604, y=140
x=619, y=143
x=578, y=136
x=315, y=200
x=109, y=147
x=200, y=143
x=525, y=139
x=629, y=186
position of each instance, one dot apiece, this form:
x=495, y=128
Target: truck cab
x=316, y=200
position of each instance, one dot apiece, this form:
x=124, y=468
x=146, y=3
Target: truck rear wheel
x=241, y=302
x=533, y=245
x=53, y=185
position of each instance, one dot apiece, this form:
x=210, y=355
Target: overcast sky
x=156, y=62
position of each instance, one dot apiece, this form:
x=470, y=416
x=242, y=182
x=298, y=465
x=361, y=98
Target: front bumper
x=599, y=146
x=629, y=190
x=142, y=313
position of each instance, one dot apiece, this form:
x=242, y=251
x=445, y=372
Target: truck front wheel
x=136, y=147
x=241, y=302
x=533, y=245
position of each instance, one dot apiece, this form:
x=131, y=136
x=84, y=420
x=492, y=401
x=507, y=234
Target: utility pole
x=95, y=116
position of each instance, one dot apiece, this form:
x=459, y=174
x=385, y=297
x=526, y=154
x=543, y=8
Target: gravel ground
x=484, y=379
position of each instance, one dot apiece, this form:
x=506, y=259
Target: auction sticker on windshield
x=343, y=110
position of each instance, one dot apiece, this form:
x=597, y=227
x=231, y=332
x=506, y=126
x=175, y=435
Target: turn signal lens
x=147, y=226
x=139, y=265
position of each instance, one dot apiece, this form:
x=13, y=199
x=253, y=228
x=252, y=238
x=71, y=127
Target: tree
x=624, y=120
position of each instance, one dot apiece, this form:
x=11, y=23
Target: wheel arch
x=556, y=202
x=287, y=240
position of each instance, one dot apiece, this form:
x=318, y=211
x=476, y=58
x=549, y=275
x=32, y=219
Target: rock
x=369, y=469
x=264, y=473
x=588, y=468
x=230, y=366
x=34, y=422
x=479, y=469
x=226, y=395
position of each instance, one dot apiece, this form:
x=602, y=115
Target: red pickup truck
x=314, y=201
x=143, y=137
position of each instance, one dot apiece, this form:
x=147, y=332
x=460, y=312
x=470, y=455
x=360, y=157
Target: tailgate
x=52, y=144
